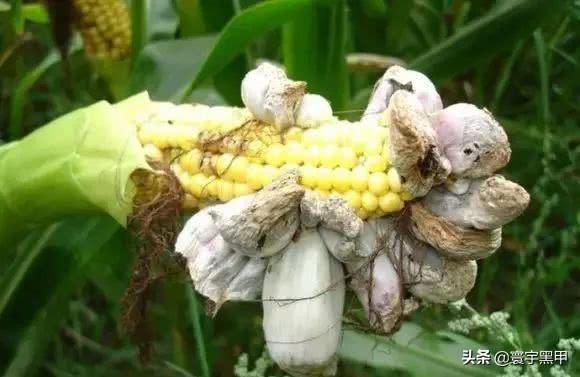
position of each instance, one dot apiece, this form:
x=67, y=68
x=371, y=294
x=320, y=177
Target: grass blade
x=18, y=99
x=544, y=76
x=505, y=76
x=13, y=277
x=195, y=314
x=17, y=16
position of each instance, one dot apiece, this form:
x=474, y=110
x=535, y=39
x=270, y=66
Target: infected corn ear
x=105, y=27
x=220, y=153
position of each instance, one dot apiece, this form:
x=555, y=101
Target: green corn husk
x=79, y=163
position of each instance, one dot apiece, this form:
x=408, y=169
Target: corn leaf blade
x=241, y=30
x=414, y=350
x=39, y=304
x=470, y=46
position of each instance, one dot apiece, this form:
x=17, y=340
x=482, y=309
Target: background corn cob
x=105, y=27
x=219, y=153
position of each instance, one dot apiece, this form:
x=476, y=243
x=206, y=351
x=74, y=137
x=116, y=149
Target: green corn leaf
x=241, y=30
x=39, y=304
x=162, y=66
x=25, y=256
x=32, y=12
x=414, y=350
x=20, y=93
x=481, y=39
x=138, y=26
x=17, y=16
x=314, y=48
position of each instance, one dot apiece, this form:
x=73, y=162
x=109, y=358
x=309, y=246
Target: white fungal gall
x=313, y=111
x=428, y=275
x=216, y=270
x=270, y=96
x=341, y=247
x=471, y=139
x=398, y=78
x=263, y=223
x=450, y=239
x=198, y=230
x=375, y=280
x=487, y=203
x=303, y=299
x=413, y=146
x=454, y=281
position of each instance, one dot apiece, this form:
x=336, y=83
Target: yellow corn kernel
x=105, y=27
x=353, y=198
x=223, y=163
x=308, y=176
x=390, y=202
x=196, y=185
x=373, y=148
x=238, y=169
x=254, y=176
x=386, y=153
x=369, y=201
x=328, y=135
x=294, y=153
x=347, y=158
x=275, y=155
x=324, y=178
x=394, y=180
x=341, y=178
x=191, y=161
x=294, y=134
x=360, y=179
x=378, y=183
x=310, y=136
x=329, y=156
x=241, y=189
x=187, y=137
x=376, y=163
x=210, y=189
x=225, y=190
x=358, y=143
x=312, y=155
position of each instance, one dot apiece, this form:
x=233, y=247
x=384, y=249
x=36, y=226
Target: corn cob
x=219, y=153
x=105, y=27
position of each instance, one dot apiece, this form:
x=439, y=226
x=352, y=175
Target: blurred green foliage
x=60, y=289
